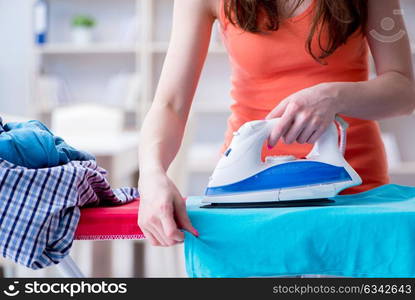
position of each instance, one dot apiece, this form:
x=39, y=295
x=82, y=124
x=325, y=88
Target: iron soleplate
x=273, y=204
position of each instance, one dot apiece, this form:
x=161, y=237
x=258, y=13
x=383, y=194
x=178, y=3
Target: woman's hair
x=341, y=18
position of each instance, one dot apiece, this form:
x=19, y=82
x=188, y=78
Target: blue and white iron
x=242, y=178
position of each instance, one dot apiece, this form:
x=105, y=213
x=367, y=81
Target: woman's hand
x=162, y=211
x=305, y=115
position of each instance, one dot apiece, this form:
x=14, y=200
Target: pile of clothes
x=32, y=145
x=43, y=183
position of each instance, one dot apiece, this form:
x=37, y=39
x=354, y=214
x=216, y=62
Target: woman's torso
x=266, y=68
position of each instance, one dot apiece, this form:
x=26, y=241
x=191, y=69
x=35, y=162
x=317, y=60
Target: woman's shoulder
x=208, y=6
x=215, y=7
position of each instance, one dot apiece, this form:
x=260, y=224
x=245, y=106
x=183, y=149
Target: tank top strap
x=223, y=21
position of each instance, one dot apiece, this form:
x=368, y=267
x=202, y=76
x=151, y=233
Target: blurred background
x=89, y=70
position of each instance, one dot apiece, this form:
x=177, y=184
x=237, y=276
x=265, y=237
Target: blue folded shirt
x=371, y=234
x=32, y=145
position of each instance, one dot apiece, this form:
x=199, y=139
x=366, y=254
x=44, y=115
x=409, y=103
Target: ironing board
x=104, y=223
x=371, y=234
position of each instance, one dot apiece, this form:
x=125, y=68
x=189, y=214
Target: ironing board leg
x=68, y=268
x=9, y=270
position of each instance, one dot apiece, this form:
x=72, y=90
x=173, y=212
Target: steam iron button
x=279, y=158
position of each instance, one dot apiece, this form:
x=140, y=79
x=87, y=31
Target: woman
x=304, y=61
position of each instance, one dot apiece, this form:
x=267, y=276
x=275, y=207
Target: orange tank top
x=266, y=68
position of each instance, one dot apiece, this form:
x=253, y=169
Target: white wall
x=15, y=39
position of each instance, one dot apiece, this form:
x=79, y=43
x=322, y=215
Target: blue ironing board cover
x=371, y=234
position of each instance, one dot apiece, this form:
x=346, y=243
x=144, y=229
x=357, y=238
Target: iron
x=242, y=179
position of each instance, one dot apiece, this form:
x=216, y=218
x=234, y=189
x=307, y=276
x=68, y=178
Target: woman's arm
x=392, y=92
x=307, y=114
x=162, y=209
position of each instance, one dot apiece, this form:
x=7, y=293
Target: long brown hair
x=341, y=18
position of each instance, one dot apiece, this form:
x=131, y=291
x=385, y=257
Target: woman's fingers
x=280, y=129
x=157, y=231
x=153, y=230
x=182, y=217
x=314, y=128
x=172, y=234
x=309, y=129
x=316, y=135
x=163, y=232
x=166, y=227
x=156, y=218
x=150, y=237
x=298, y=127
x=306, y=134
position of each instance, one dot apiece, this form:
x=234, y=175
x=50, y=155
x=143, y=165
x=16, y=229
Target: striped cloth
x=39, y=208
